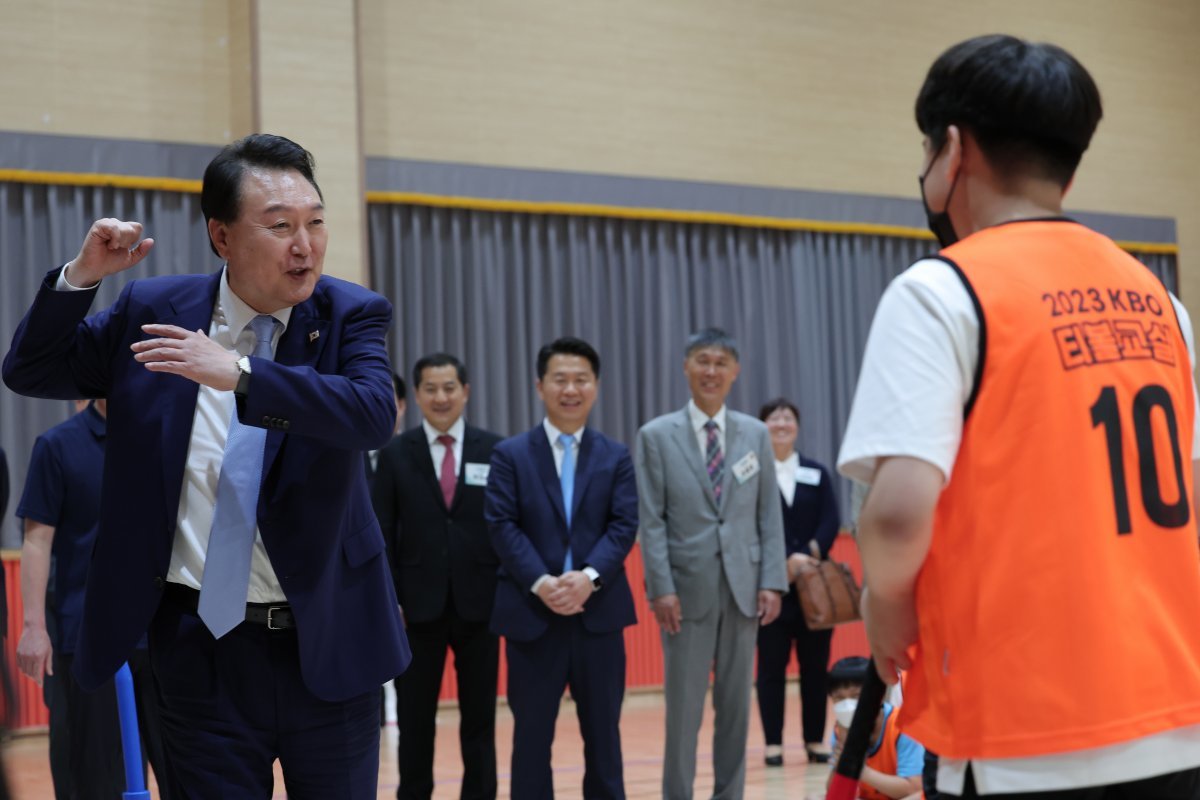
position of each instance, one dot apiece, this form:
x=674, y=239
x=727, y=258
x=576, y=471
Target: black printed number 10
x=1106, y=412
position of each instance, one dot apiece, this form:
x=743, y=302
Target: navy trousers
x=231, y=707
x=593, y=666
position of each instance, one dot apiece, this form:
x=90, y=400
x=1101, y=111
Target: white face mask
x=843, y=710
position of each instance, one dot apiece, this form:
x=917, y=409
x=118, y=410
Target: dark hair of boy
x=1031, y=107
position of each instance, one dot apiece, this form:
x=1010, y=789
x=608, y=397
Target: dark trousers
x=54, y=694
x=231, y=707
x=1175, y=786
x=476, y=662
x=593, y=666
x=85, y=745
x=812, y=651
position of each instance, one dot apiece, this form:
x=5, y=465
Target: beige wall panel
x=134, y=69
x=242, y=108
x=813, y=94
x=308, y=90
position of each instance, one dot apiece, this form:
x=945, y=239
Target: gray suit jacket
x=686, y=539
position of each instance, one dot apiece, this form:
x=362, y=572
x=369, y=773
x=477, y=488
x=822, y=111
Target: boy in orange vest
x=894, y=761
x=1026, y=416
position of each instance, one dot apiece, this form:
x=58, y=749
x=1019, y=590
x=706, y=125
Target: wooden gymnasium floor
x=641, y=730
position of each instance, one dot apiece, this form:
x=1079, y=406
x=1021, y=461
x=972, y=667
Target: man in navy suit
x=236, y=524
x=561, y=507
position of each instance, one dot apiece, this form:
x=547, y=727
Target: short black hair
x=771, y=406
x=398, y=386
x=850, y=671
x=221, y=192
x=439, y=360
x=711, y=337
x=1031, y=106
x=567, y=346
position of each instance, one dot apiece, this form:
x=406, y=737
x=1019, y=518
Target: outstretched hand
x=111, y=246
x=190, y=354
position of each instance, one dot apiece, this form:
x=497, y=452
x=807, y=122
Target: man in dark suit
x=428, y=495
x=236, y=525
x=561, y=506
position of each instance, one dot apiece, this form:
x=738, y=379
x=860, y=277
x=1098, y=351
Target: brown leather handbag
x=828, y=593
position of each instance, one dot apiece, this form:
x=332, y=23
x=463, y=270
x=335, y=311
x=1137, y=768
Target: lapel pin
x=312, y=337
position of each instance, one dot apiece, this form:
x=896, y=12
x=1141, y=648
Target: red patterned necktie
x=449, y=477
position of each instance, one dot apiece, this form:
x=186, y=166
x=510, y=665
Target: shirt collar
x=95, y=423
x=456, y=430
x=789, y=463
x=238, y=313
x=698, y=417
x=552, y=433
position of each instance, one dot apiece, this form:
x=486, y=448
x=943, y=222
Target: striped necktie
x=714, y=459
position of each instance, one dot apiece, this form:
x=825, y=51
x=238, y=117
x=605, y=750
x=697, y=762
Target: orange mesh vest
x=885, y=759
x=1059, y=606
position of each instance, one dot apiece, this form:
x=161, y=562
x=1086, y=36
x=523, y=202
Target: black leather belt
x=273, y=616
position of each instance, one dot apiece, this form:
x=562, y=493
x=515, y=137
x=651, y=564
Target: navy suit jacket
x=813, y=516
x=325, y=398
x=523, y=506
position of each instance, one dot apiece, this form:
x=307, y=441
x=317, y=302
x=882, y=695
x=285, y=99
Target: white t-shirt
x=917, y=375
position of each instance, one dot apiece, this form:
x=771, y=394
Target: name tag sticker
x=476, y=474
x=809, y=476
x=746, y=467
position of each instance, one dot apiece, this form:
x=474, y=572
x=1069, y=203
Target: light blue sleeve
x=910, y=757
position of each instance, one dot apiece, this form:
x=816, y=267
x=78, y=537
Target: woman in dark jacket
x=810, y=514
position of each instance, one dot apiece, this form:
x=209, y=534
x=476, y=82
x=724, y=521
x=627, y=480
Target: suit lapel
x=733, y=451
x=421, y=458
x=191, y=310
x=297, y=348
x=685, y=438
x=470, y=438
x=539, y=446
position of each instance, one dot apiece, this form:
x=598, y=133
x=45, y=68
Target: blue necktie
x=567, y=479
x=235, y=519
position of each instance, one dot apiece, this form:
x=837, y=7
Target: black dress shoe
x=816, y=756
x=773, y=761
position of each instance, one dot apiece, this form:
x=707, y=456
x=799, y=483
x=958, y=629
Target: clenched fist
x=111, y=246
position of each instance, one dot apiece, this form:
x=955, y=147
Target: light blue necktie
x=235, y=518
x=567, y=479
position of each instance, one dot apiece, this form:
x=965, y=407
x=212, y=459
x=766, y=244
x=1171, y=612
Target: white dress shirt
x=438, y=450
x=698, y=418
x=230, y=328
x=785, y=474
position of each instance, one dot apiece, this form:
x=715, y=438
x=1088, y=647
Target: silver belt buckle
x=271, y=626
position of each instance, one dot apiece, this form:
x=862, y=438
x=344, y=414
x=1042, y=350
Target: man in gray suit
x=712, y=545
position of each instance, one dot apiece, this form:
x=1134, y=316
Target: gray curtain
x=42, y=227
x=493, y=287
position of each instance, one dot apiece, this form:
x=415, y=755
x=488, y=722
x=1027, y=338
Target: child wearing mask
x=894, y=761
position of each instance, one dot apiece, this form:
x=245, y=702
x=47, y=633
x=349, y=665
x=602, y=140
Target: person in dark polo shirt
x=60, y=508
